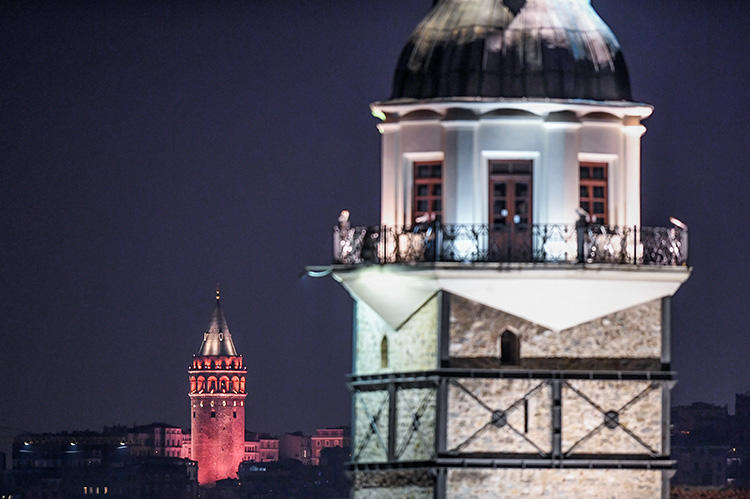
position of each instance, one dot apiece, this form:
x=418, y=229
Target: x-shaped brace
x=416, y=426
x=498, y=417
x=373, y=426
x=612, y=418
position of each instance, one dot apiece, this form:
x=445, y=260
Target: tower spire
x=217, y=339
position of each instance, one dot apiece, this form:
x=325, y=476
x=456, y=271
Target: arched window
x=242, y=385
x=192, y=384
x=510, y=349
x=224, y=384
x=212, y=384
x=201, y=384
x=235, y=384
x=384, y=353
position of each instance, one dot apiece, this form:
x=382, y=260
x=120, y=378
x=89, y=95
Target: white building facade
x=511, y=313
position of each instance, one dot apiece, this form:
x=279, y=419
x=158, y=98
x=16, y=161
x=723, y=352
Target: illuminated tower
x=217, y=403
x=512, y=323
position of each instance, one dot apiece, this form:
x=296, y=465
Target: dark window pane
x=499, y=206
x=437, y=171
x=423, y=190
x=598, y=192
x=598, y=172
x=422, y=205
x=423, y=171
x=437, y=190
x=521, y=207
x=599, y=208
x=437, y=205
x=500, y=189
x=499, y=168
x=522, y=167
x=522, y=189
x=584, y=172
x=584, y=191
x=586, y=206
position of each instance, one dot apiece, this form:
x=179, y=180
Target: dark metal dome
x=557, y=49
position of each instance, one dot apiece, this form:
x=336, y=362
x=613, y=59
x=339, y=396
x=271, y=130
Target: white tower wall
x=553, y=137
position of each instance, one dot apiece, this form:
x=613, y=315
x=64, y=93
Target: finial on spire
x=218, y=292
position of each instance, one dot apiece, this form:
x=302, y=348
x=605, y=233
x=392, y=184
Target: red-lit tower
x=217, y=403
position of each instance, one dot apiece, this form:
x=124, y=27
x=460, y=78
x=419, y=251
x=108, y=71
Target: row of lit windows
x=213, y=384
x=329, y=443
x=510, y=192
x=95, y=491
x=211, y=403
x=234, y=363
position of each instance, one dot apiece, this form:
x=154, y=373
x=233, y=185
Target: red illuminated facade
x=217, y=403
x=325, y=438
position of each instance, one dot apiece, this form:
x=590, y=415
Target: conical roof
x=550, y=49
x=217, y=340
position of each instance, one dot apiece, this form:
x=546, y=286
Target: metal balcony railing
x=535, y=243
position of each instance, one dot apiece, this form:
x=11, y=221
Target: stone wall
x=642, y=417
x=471, y=403
x=415, y=424
x=561, y=484
x=475, y=330
x=369, y=447
x=413, y=347
x=467, y=415
x=393, y=484
x=409, y=492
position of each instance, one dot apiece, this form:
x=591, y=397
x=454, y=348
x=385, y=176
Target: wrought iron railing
x=537, y=243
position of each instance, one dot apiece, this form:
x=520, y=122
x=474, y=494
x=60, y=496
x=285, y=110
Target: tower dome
x=548, y=49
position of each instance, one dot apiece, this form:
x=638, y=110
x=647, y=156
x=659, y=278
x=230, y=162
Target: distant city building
x=157, y=440
x=295, y=446
x=84, y=464
x=325, y=438
x=710, y=445
x=261, y=447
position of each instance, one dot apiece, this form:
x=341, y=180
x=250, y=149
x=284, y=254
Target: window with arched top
x=384, y=353
x=201, y=384
x=192, y=384
x=224, y=384
x=510, y=349
x=235, y=384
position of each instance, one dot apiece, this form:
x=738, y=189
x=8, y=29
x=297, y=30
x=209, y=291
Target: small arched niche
x=510, y=349
x=384, y=353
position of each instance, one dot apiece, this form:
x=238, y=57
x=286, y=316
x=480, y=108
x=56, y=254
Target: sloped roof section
x=217, y=340
x=557, y=49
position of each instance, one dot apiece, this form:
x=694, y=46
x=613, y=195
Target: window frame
x=431, y=181
x=590, y=183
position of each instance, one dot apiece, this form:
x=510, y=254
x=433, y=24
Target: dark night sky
x=149, y=151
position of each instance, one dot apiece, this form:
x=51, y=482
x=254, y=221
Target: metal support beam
x=440, y=480
x=444, y=323
x=391, y=422
x=441, y=419
x=666, y=417
x=556, y=419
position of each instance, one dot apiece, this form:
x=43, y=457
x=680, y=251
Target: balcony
x=537, y=243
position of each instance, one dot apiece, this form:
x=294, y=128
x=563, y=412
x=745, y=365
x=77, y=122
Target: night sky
x=149, y=151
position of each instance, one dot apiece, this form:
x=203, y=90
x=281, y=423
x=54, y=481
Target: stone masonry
x=635, y=332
